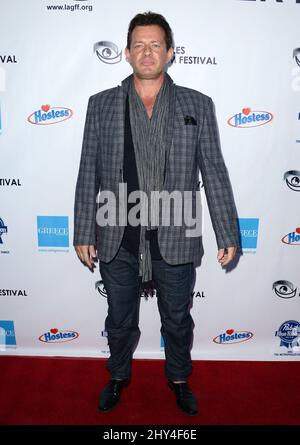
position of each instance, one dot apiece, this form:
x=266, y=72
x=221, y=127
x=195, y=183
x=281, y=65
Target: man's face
x=148, y=54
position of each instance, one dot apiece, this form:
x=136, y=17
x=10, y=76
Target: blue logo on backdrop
x=249, y=232
x=289, y=334
x=162, y=342
x=7, y=334
x=3, y=229
x=53, y=231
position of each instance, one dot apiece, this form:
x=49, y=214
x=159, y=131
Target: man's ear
x=127, y=54
x=170, y=55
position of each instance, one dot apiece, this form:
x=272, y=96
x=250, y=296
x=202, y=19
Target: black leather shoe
x=184, y=397
x=110, y=395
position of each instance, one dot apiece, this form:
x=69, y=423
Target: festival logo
x=183, y=56
x=9, y=182
x=13, y=293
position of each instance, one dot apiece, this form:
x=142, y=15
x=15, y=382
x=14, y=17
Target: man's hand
x=226, y=255
x=87, y=254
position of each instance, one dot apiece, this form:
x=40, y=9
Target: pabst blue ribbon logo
x=248, y=118
x=108, y=52
x=3, y=229
x=289, y=334
x=56, y=336
x=284, y=289
x=292, y=180
x=292, y=238
x=49, y=115
x=231, y=336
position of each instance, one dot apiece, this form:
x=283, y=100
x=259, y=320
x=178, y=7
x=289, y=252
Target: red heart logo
x=298, y=230
x=54, y=331
x=230, y=331
x=246, y=111
x=45, y=108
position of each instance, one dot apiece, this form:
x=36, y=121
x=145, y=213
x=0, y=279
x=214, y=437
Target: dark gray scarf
x=150, y=139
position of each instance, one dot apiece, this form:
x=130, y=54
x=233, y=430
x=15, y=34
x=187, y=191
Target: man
x=153, y=136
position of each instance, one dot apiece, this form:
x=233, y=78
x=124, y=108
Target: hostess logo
x=230, y=337
x=248, y=118
x=56, y=336
x=292, y=238
x=49, y=115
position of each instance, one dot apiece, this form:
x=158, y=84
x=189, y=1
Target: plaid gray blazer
x=193, y=145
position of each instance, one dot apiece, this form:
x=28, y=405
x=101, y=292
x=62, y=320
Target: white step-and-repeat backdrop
x=54, y=54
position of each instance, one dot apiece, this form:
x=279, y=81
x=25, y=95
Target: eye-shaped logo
x=292, y=179
x=284, y=289
x=296, y=55
x=108, y=52
x=101, y=289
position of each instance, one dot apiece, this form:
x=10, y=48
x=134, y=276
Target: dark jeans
x=174, y=287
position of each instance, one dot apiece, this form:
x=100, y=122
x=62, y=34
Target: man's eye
x=292, y=179
x=284, y=289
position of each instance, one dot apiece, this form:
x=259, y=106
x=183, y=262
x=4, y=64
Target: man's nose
x=147, y=50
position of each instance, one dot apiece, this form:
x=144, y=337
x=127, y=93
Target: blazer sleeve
x=87, y=185
x=216, y=183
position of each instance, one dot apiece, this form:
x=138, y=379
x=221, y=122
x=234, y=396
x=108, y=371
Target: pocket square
x=189, y=120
